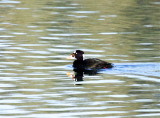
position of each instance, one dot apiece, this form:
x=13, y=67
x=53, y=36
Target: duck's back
x=94, y=63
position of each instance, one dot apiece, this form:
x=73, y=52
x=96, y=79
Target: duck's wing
x=95, y=63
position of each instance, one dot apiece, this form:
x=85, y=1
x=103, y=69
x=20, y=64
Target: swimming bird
x=91, y=63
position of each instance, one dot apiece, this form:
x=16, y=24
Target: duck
x=91, y=63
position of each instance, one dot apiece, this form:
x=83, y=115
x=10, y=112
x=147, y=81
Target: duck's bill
x=71, y=57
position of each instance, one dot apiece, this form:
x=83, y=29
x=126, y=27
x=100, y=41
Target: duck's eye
x=73, y=54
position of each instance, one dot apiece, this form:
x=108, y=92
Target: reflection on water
x=37, y=36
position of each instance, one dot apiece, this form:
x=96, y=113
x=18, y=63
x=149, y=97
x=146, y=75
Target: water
x=36, y=79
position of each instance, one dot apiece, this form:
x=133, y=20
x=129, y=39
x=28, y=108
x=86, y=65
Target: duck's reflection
x=79, y=74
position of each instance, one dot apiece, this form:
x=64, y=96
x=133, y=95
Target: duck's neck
x=79, y=57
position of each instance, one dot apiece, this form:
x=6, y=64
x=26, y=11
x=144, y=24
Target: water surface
x=37, y=36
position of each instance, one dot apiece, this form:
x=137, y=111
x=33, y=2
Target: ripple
x=92, y=50
x=51, y=38
x=105, y=16
x=59, y=7
x=2, y=29
x=92, y=39
x=86, y=12
x=60, y=61
x=108, y=33
x=76, y=114
x=51, y=22
x=143, y=78
x=33, y=44
x=64, y=46
x=6, y=85
x=145, y=49
x=14, y=111
x=6, y=36
x=28, y=96
x=10, y=1
x=158, y=3
x=112, y=33
x=77, y=16
x=39, y=52
x=36, y=73
x=36, y=30
x=72, y=34
x=138, y=70
x=3, y=107
x=118, y=96
x=22, y=8
x=9, y=52
x=145, y=43
x=77, y=109
x=4, y=40
x=34, y=57
x=18, y=33
x=100, y=81
x=148, y=115
x=54, y=30
x=59, y=50
x=4, y=45
x=142, y=100
x=6, y=5
x=4, y=74
x=39, y=68
x=10, y=63
x=147, y=110
x=18, y=48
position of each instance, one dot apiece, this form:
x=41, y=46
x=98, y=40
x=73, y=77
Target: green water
x=36, y=36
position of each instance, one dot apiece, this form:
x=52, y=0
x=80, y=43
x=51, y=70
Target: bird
x=91, y=63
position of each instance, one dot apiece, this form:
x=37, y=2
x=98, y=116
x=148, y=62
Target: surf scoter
x=92, y=63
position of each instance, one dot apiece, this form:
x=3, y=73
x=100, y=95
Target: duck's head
x=78, y=54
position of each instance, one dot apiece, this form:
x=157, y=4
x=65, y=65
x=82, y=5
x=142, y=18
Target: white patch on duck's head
x=76, y=54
